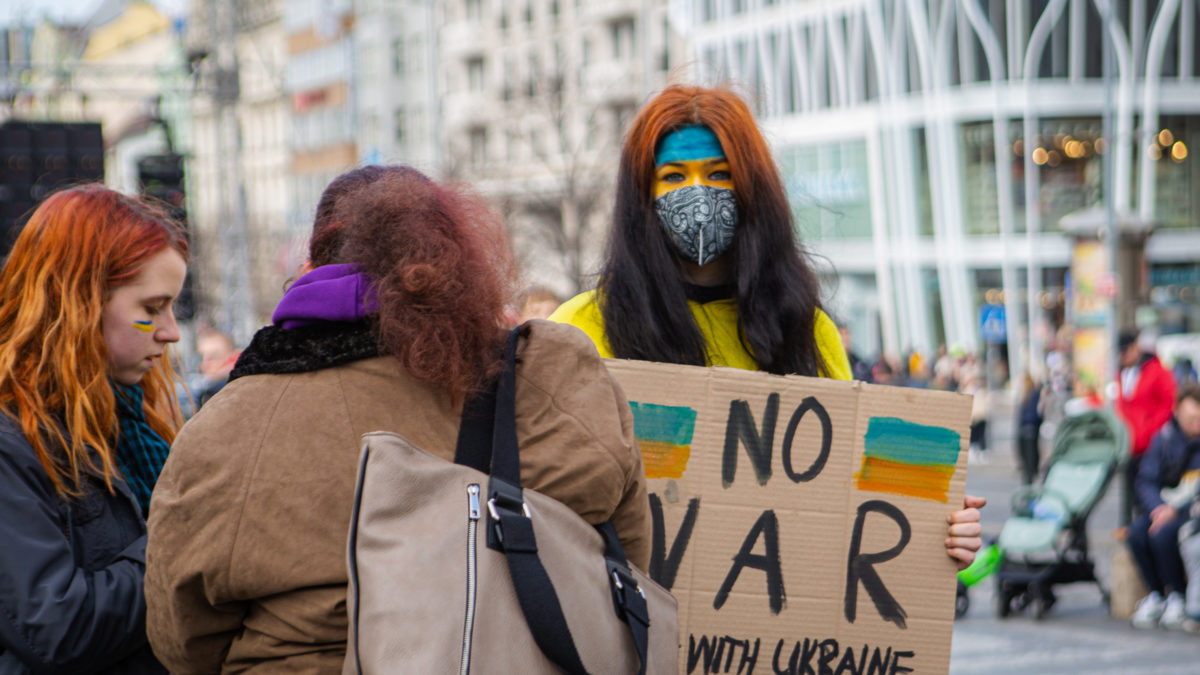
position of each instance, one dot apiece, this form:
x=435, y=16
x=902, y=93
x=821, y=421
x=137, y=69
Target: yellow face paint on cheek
x=144, y=326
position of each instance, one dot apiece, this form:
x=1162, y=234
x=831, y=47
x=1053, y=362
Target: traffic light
x=37, y=158
x=161, y=180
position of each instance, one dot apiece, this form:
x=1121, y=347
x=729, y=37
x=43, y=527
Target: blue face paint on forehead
x=687, y=143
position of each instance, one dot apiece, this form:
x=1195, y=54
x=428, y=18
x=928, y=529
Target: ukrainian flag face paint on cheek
x=693, y=191
x=144, y=326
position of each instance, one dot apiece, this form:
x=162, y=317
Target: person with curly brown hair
x=399, y=320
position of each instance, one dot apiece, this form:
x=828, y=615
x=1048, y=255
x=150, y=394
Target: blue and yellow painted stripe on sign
x=664, y=434
x=906, y=458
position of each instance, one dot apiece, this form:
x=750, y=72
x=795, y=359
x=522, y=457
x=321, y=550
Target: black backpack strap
x=510, y=525
x=629, y=601
x=474, y=448
x=510, y=528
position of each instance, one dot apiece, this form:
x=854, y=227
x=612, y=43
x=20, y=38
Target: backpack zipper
x=469, y=620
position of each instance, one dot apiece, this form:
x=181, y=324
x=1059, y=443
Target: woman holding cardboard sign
x=703, y=266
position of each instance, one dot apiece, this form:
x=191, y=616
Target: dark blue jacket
x=70, y=572
x=1171, y=452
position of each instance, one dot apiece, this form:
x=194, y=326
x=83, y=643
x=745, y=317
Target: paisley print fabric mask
x=698, y=220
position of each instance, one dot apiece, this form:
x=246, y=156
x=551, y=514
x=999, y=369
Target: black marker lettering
x=896, y=667
x=749, y=658
x=740, y=426
x=767, y=527
x=809, y=403
x=790, y=668
x=877, y=666
x=810, y=652
x=860, y=566
x=697, y=652
x=848, y=664
x=829, y=652
x=664, y=566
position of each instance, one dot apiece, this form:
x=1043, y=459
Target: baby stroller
x=1045, y=541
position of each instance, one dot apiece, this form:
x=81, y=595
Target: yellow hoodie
x=718, y=324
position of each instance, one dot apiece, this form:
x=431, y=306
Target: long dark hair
x=439, y=260
x=642, y=292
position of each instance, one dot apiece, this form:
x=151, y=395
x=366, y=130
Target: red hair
x=77, y=246
x=442, y=268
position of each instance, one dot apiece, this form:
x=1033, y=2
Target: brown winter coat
x=246, y=561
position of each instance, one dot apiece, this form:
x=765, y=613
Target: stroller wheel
x=1004, y=602
x=1042, y=604
x=962, y=601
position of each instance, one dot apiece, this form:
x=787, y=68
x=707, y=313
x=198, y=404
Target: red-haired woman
x=399, y=319
x=87, y=413
x=703, y=266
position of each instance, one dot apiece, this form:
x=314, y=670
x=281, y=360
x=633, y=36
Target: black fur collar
x=321, y=345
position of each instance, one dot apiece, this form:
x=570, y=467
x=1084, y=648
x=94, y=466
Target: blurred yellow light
x=1155, y=152
x=1101, y=146
x=1074, y=149
x=1179, y=151
x=1165, y=138
x=1039, y=156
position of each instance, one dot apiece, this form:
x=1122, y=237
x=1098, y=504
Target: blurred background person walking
x=1145, y=398
x=1029, y=425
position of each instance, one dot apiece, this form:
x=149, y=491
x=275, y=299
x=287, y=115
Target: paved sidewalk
x=1077, y=635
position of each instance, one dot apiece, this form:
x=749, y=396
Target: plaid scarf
x=140, y=451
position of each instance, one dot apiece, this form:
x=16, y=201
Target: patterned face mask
x=699, y=221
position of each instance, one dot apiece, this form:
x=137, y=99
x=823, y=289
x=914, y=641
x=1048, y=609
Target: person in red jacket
x=1145, y=396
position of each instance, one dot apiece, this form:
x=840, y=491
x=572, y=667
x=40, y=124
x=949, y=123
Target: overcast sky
x=64, y=10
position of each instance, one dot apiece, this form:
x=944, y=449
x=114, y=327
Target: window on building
x=478, y=146
x=533, y=74
x=622, y=33
x=622, y=114
x=398, y=63
x=399, y=126
x=506, y=91
x=475, y=73
x=829, y=189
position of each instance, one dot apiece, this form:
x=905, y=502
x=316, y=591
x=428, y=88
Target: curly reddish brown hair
x=440, y=262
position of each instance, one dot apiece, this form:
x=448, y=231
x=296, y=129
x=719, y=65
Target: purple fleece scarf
x=327, y=293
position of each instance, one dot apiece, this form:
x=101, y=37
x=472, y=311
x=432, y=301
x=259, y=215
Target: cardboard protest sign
x=801, y=522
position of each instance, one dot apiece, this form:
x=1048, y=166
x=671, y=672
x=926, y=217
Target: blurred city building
x=537, y=97
x=911, y=134
x=240, y=163
x=931, y=149
x=361, y=87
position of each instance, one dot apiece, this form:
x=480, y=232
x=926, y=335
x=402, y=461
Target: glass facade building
x=931, y=149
